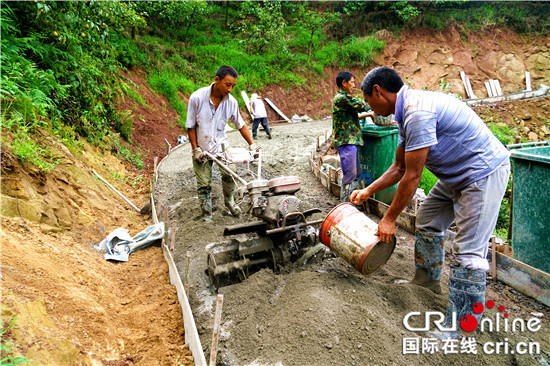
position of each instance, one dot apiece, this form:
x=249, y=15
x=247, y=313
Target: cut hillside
x=70, y=306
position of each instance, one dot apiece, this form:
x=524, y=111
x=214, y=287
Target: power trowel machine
x=279, y=234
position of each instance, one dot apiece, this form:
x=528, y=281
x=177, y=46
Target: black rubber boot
x=206, y=206
x=429, y=258
x=466, y=288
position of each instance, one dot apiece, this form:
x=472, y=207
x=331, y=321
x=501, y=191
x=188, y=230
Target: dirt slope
x=73, y=307
x=423, y=58
x=69, y=304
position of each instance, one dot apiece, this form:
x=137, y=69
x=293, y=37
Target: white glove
x=198, y=155
x=254, y=150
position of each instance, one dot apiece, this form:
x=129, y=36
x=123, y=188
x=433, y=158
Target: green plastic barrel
x=376, y=155
x=531, y=207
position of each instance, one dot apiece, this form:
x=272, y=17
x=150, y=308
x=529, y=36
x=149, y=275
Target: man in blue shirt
x=446, y=136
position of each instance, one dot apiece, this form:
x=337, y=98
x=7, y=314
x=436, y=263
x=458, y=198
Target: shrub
x=360, y=51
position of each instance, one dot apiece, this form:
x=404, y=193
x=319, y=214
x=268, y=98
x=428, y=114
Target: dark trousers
x=256, y=123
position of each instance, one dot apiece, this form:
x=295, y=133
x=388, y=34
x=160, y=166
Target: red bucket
x=350, y=234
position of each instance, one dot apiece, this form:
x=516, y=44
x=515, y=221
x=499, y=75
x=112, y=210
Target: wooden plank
x=489, y=91
x=405, y=220
x=524, y=278
x=497, y=85
x=191, y=334
x=463, y=77
x=324, y=179
x=216, y=330
x=528, y=81
x=472, y=95
x=246, y=102
x=272, y=105
x=493, y=87
x=153, y=208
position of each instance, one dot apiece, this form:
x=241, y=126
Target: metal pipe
x=116, y=191
x=225, y=168
x=528, y=144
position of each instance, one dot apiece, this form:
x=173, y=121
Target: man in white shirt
x=257, y=108
x=209, y=110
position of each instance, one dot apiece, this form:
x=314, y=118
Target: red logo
x=469, y=323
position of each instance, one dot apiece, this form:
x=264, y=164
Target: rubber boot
x=229, y=198
x=466, y=289
x=346, y=190
x=466, y=292
x=206, y=206
x=429, y=258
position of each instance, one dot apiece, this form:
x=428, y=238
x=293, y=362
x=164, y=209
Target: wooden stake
x=159, y=206
x=155, y=162
x=173, y=236
x=186, y=273
x=494, y=258
x=216, y=330
x=166, y=227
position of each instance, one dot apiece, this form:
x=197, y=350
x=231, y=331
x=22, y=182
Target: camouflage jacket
x=346, y=129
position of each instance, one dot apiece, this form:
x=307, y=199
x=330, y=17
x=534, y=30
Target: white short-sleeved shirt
x=258, y=108
x=209, y=122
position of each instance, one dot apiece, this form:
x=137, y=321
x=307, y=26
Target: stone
x=545, y=130
x=524, y=114
x=526, y=130
x=533, y=137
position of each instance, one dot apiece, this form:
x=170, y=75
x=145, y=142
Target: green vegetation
x=59, y=73
x=60, y=61
x=7, y=347
x=427, y=181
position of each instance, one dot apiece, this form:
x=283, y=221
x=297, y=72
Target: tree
x=315, y=22
x=263, y=25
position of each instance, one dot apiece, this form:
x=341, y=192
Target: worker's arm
x=192, y=133
x=366, y=114
x=245, y=133
x=355, y=104
x=390, y=177
x=414, y=163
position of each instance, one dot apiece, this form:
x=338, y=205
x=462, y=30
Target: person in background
x=257, y=109
x=209, y=110
x=346, y=131
x=446, y=136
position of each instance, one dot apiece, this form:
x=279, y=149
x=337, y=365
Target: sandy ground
x=325, y=313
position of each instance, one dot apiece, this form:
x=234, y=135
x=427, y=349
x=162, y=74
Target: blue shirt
x=462, y=148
